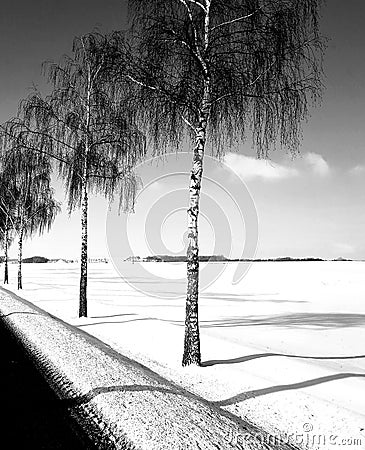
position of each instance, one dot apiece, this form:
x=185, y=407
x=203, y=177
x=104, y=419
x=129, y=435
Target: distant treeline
x=221, y=258
x=33, y=259
x=181, y=258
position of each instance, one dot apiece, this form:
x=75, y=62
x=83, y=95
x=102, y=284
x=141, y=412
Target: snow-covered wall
x=119, y=403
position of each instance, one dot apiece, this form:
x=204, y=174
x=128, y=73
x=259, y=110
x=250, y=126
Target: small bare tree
x=221, y=71
x=85, y=126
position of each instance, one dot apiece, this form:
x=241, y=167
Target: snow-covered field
x=284, y=348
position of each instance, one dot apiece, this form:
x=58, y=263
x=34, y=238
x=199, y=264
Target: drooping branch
x=264, y=61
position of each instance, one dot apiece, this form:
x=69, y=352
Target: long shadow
x=214, y=362
x=172, y=322
x=82, y=399
x=243, y=298
x=111, y=281
x=285, y=387
x=152, y=305
x=295, y=320
x=48, y=286
x=115, y=323
x=113, y=315
x=21, y=312
x=225, y=294
x=166, y=282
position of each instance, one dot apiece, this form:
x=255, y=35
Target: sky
x=313, y=205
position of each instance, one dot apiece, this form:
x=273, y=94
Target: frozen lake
x=283, y=348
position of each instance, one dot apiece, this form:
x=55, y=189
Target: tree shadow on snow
x=113, y=315
x=246, y=358
x=77, y=401
x=247, y=297
x=285, y=387
x=295, y=320
x=115, y=322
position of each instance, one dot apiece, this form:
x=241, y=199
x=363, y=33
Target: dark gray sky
x=340, y=120
x=38, y=30
x=312, y=206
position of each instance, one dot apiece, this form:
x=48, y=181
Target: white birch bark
x=20, y=257
x=192, y=337
x=6, y=256
x=83, y=262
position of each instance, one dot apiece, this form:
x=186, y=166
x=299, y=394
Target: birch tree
x=30, y=196
x=85, y=126
x=7, y=206
x=219, y=72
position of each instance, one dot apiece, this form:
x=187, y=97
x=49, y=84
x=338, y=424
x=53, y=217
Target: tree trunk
x=192, y=337
x=84, y=207
x=83, y=276
x=6, y=245
x=20, y=258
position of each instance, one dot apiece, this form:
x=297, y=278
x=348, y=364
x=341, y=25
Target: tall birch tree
x=220, y=71
x=85, y=126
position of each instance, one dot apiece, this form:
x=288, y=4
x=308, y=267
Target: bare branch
x=188, y=123
x=153, y=88
x=198, y=4
x=238, y=19
x=196, y=42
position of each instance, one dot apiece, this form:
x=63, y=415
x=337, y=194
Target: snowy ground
x=284, y=348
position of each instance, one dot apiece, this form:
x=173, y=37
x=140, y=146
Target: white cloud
x=357, y=170
x=249, y=168
x=317, y=163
